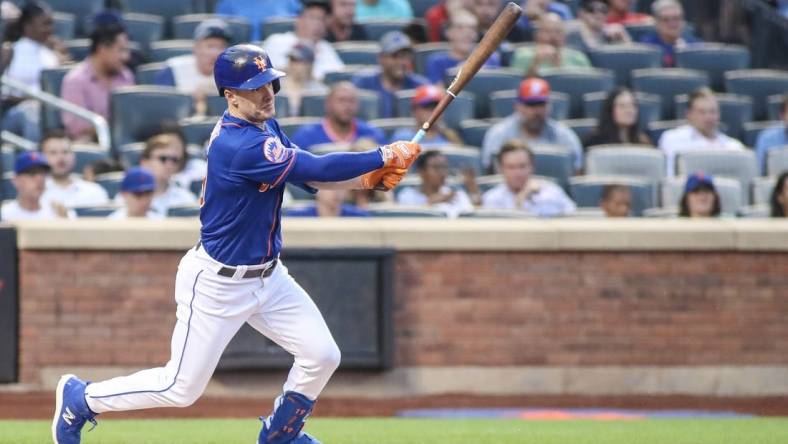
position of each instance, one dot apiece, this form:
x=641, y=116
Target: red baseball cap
x=426, y=95
x=534, y=90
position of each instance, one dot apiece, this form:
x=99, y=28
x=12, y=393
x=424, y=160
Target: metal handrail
x=21, y=142
x=98, y=121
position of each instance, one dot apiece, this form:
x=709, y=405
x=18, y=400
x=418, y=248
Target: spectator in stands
x=701, y=131
x=63, y=186
x=341, y=24
x=329, y=203
x=310, y=28
x=531, y=124
x=193, y=73
x=299, y=80
x=99, y=167
x=620, y=12
x=340, y=125
x=90, y=83
x=669, y=15
x=383, y=10
x=259, y=11
x=136, y=190
x=164, y=155
x=462, y=35
x=422, y=104
x=779, y=198
x=593, y=30
x=30, y=170
x=535, y=10
x=700, y=198
x=521, y=191
x=438, y=15
x=433, y=168
x=550, y=50
x=616, y=201
x=618, y=121
x=772, y=138
x=396, y=63
x=35, y=49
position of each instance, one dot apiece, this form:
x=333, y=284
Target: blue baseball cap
x=699, y=180
x=28, y=160
x=394, y=41
x=138, y=180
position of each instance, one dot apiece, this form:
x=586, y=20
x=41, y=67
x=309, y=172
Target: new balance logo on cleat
x=68, y=416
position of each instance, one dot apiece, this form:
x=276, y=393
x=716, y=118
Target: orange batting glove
x=400, y=154
x=383, y=179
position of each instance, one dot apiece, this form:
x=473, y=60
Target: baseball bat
x=490, y=42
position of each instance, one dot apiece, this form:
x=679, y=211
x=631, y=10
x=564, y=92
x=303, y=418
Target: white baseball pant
x=211, y=309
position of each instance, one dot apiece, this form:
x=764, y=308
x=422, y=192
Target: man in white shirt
x=310, y=28
x=30, y=169
x=62, y=186
x=701, y=131
x=136, y=191
x=164, y=155
x=522, y=192
x=433, y=168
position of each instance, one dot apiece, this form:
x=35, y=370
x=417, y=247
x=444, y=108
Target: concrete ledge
x=430, y=234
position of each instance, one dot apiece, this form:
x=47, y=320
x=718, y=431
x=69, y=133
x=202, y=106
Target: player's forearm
x=333, y=167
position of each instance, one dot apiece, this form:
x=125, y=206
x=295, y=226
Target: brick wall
x=491, y=309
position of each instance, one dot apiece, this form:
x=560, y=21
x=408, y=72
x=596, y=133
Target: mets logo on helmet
x=274, y=151
x=260, y=62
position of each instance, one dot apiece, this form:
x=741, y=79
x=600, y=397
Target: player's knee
x=330, y=357
x=186, y=394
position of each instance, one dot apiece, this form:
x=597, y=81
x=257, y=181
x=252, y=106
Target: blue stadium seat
x=554, y=162
x=81, y=8
x=649, y=106
x=774, y=106
x=762, y=188
x=461, y=108
x=636, y=31
x=197, y=130
x=642, y=161
x=346, y=74
x=668, y=83
x=715, y=59
x=622, y=59
x=218, y=104
x=586, y=191
x=472, y=131
x=278, y=25
x=196, y=187
x=183, y=26
x=313, y=105
x=487, y=182
x=7, y=157
x=184, y=211
x=164, y=49
x=576, y=82
x=86, y=153
x=758, y=84
x=166, y=9
x=389, y=126
x=405, y=211
x=484, y=83
x=51, y=82
x=6, y=187
x=95, y=211
x=777, y=161
x=728, y=189
x=656, y=128
x=581, y=127
x=735, y=111
x=65, y=25
x=130, y=153
x=358, y=53
x=110, y=182
x=78, y=49
x=739, y=165
x=750, y=130
x=147, y=73
x=421, y=6
x=423, y=51
x=138, y=111
x=144, y=28
x=376, y=28
x=502, y=104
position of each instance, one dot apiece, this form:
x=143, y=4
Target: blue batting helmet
x=244, y=67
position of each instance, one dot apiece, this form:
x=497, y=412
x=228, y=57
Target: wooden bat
x=490, y=42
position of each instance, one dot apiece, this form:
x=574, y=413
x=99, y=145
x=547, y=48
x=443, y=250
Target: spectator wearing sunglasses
x=136, y=190
x=593, y=30
x=164, y=155
x=423, y=103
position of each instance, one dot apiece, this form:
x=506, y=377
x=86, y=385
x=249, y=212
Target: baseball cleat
x=71, y=411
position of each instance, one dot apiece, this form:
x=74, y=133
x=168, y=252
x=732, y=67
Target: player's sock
x=287, y=420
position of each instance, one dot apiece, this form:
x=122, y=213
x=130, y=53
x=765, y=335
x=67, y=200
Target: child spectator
x=700, y=198
x=136, y=190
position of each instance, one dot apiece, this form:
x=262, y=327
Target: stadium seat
x=95, y=211
x=77, y=49
x=581, y=127
x=278, y=25
x=299, y=193
x=656, y=128
x=81, y=8
x=166, y=9
x=197, y=130
x=216, y=105
x=728, y=189
x=7, y=157
x=162, y=50
x=51, y=82
x=502, y=104
x=406, y=211
x=662, y=213
x=739, y=165
x=636, y=31
x=715, y=59
x=484, y=83
x=774, y=106
x=758, y=84
x=735, y=111
x=626, y=160
x=777, y=161
x=554, y=162
x=130, y=153
x=183, y=211
x=491, y=213
x=289, y=125
x=487, y=182
x=87, y=153
x=750, y=130
x=138, y=111
x=423, y=51
x=461, y=108
x=183, y=26
x=346, y=74
x=622, y=59
x=460, y=158
x=762, y=187
x=65, y=25
x=110, y=182
x=144, y=28
x=755, y=211
x=576, y=82
x=472, y=131
x=389, y=126
x=7, y=188
x=586, y=191
x=421, y=6
x=649, y=106
x=358, y=53
x=147, y=73
x=668, y=83
x=314, y=105
x=376, y=28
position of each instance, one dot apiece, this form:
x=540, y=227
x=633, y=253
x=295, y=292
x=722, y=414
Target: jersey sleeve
x=266, y=160
x=292, y=145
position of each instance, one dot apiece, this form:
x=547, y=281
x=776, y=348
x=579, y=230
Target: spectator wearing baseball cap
x=531, y=123
x=395, y=73
x=383, y=10
x=257, y=12
x=193, y=73
x=137, y=192
x=328, y=203
x=310, y=28
x=30, y=170
x=550, y=50
x=700, y=198
x=423, y=103
x=299, y=80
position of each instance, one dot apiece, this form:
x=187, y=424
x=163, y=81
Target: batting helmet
x=244, y=67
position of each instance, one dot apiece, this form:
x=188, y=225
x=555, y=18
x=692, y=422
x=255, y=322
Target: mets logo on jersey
x=274, y=151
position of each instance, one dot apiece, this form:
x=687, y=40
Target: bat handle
x=419, y=135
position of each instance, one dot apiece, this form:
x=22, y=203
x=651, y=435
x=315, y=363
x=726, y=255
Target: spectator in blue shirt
x=772, y=138
x=463, y=35
x=258, y=11
x=328, y=203
x=669, y=16
x=423, y=103
x=396, y=62
x=383, y=10
x=340, y=126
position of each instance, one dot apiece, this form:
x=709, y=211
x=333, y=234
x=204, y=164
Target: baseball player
x=234, y=275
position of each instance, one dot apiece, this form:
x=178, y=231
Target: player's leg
x=290, y=318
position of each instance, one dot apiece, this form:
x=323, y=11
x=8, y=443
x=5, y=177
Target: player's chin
x=266, y=112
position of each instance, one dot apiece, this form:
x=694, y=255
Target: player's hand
x=383, y=179
x=400, y=154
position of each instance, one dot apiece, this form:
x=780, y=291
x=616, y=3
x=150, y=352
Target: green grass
x=415, y=431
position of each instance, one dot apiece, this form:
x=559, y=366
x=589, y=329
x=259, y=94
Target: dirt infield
x=39, y=405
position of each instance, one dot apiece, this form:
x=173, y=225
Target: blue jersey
x=242, y=199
